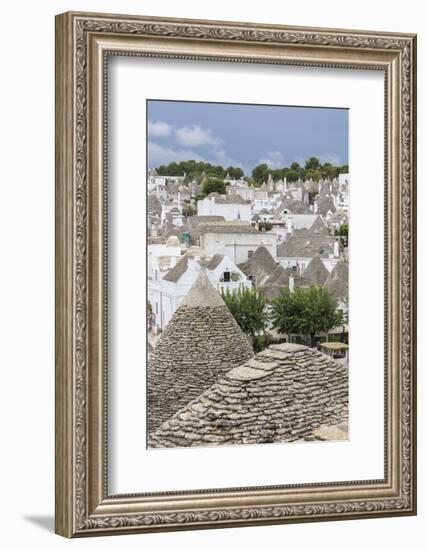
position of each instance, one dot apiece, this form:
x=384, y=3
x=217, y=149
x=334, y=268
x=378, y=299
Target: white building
x=299, y=251
x=344, y=179
x=261, y=193
x=298, y=221
x=166, y=293
x=153, y=179
x=236, y=240
x=232, y=207
x=261, y=204
x=162, y=257
x=243, y=189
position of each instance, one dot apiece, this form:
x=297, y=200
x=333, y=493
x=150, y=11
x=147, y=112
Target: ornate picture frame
x=84, y=42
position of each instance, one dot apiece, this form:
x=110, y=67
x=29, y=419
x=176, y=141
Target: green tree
x=305, y=311
x=235, y=172
x=342, y=232
x=248, y=308
x=313, y=163
x=295, y=167
x=265, y=226
x=292, y=175
x=328, y=171
x=213, y=185
x=260, y=173
x=188, y=210
x=311, y=173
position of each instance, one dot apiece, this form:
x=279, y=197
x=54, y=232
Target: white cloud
x=195, y=136
x=188, y=142
x=274, y=159
x=333, y=158
x=159, y=129
x=158, y=154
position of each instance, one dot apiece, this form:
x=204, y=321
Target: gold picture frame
x=83, y=43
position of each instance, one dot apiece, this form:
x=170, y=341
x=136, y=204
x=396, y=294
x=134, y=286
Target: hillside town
x=233, y=356
x=275, y=236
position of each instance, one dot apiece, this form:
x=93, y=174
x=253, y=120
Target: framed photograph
x=235, y=274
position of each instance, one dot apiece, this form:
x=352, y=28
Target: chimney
x=191, y=263
x=291, y=283
x=337, y=248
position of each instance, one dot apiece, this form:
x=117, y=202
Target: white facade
x=217, y=206
x=243, y=190
x=166, y=296
x=299, y=221
x=153, y=179
x=301, y=262
x=343, y=179
x=261, y=193
x=238, y=246
x=162, y=256
x=259, y=204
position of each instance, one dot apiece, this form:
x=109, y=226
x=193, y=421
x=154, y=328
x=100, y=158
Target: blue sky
x=245, y=135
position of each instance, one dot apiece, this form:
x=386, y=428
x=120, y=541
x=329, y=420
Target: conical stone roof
x=276, y=282
x=318, y=226
x=316, y=272
x=283, y=394
x=260, y=265
x=201, y=343
x=337, y=281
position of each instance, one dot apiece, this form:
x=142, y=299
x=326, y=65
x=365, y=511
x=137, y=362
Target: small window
x=226, y=276
x=250, y=253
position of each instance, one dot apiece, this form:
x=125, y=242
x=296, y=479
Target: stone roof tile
x=200, y=344
x=283, y=394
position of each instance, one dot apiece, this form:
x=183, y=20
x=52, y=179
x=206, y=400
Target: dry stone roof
x=214, y=261
x=296, y=206
x=283, y=394
x=316, y=271
x=318, y=226
x=337, y=281
x=260, y=265
x=227, y=227
x=193, y=222
x=274, y=284
x=230, y=199
x=178, y=270
x=306, y=246
x=174, y=274
x=325, y=204
x=153, y=204
x=201, y=342
x=292, y=205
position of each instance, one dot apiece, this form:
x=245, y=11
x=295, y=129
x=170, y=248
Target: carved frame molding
x=83, y=42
